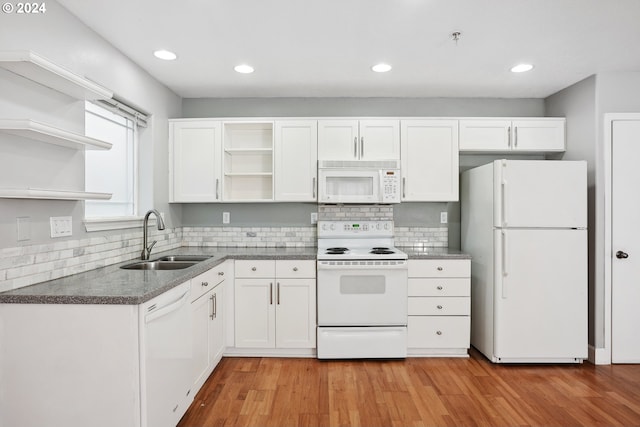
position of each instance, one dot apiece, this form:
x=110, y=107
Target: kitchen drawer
x=440, y=268
x=295, y=268
x=445, y=287
x=439, y=306
x=255, y=268
x=439, y=331
x=206, y=281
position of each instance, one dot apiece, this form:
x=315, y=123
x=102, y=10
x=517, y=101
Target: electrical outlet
x=61, y=226
x=443, y=218
x=314, y=217
x=23, y=228
x=226, y=217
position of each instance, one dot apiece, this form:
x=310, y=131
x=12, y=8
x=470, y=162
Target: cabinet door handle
x=439, y=268
x=220, y=273
x=515, y=137
x=205, y=284
x=361, y=146
x=439, y=307
x=217, y=189
x=355, y=147
x=270, y=293
x=313, y=187
x=253, y=269
x=278, y=293
x=509, y=136
x=404, y=187
x=438, y=332
x=439, y=288
x=213, y=307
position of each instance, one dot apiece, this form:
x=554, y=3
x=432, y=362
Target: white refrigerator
x=524, y=223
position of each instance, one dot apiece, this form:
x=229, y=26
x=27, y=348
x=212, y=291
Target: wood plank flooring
x=414, y=392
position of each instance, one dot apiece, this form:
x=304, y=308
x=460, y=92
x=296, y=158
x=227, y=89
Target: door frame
x=603, y=355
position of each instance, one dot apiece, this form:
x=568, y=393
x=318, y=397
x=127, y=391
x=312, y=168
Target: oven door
x=362, y=293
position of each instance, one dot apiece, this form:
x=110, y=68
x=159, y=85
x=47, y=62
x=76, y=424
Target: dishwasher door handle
x=169, y=308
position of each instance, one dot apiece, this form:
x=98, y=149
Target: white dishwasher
x=166, y=354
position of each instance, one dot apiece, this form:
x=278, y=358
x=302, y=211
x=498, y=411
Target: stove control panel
x=355, y=228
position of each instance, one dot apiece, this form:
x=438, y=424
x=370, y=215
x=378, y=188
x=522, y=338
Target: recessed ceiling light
x=381, y=68
x=244, y=69
x=165, y=54
x=521, y=68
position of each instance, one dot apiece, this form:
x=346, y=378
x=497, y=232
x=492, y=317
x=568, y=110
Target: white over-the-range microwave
x=361, y=181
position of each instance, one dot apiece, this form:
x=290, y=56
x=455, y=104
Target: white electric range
x=362, y=291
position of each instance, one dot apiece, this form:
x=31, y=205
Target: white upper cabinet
x=512, y=135
x=359, y=139
x=296, y=158
x=429, y=160
x=195, y=157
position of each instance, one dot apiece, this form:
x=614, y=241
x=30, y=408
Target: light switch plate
x=61, y=226
x=443, y=218
x=226, y=217
x=23, y=228
x=314, y=217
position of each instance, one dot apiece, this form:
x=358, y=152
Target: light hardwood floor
x=415, y=392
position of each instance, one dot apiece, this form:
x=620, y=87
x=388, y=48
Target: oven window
x=362, y=285
x=349, y=185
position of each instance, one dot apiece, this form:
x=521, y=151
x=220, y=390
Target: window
x=113, y=171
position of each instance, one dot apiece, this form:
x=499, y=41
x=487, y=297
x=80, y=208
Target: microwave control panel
x=390, y=186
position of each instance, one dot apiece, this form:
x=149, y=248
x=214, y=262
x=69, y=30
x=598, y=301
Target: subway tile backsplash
x=25, y=265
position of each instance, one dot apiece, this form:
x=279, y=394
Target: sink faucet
x=146, y=250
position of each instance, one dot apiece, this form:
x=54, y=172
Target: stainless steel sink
x=159, y=265
x=183, y=258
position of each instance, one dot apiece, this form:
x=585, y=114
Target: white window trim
x=116, y=223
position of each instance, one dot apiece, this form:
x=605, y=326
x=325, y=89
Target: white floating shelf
x=248, y=150
x=32, y=193
x=248, y=174
x=51, y=135
x=34, y=67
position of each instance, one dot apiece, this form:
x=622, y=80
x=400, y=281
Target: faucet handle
x=151, y=246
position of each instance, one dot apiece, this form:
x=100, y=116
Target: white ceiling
x=325, y=48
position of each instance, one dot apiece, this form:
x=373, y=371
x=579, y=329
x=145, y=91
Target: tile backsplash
x=25, y=265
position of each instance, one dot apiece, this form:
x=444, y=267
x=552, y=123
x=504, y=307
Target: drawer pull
x=439, y=287
x=439, y=268
x=205, y=283
x=438, y=332
x=220, y=273
x=295, y=268
x=253, y=269
x=439, y=307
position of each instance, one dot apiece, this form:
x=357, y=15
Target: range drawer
x=255, y=268
x=439, y=331
x=206, y=281
x=295, y=268
x=439, y=306
x=445, y=287
x=440, y=268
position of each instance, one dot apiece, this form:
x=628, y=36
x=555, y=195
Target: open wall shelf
x=44, y=133
x=39, y=69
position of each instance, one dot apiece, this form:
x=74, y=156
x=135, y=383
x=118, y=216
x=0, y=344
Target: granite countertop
x=113, y=285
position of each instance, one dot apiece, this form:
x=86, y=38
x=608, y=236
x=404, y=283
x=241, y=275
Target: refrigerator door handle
x=503, y=200
x=505, y=271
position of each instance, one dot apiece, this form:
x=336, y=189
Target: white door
x=538, y=135
x=485, y=135
x=338, y=140
x=296, y=160
x=540, y=193
x=379, y=140
x=195, y=154
x=541, y=293
x=295, y=313
x=625, y=283
x=429, y=160
x=255, y=313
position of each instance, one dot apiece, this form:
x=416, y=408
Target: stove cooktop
x=367, y=252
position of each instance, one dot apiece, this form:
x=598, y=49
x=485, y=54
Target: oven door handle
x=362, y=265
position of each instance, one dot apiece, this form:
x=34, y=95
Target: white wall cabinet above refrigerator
x=373, y=139
x=429, y=151
x=506, y=135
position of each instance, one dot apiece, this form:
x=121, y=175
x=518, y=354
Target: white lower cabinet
x=439, y=307
x=275, y=304
x=207, y=317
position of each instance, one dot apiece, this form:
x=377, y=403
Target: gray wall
x=578, y=104
x=405, y=214
x=63, y=39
